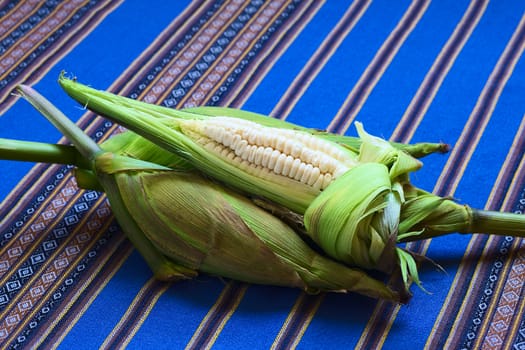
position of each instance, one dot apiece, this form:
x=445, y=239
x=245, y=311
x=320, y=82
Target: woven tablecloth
x=440, y=71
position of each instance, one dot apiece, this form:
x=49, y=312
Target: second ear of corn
x=208, y=228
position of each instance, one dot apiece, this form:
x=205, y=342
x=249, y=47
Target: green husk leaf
x=409, y=271
x=337, y=219
x=416, y=210
x=375, y=149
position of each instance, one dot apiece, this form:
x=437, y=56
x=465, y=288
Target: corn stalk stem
x=498, y=223
x=86, y=146
x=479, y=221
x=40, y=152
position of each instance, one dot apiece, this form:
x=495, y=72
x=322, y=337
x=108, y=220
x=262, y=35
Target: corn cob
x=357, y=203
x=183, y=223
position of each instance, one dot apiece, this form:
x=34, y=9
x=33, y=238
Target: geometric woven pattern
x=420, y=70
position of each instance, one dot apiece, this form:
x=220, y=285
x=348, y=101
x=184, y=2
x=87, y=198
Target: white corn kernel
x=318, y=185
x=327, y=179
x=295, y=166
x=314, y=175
x=287, y=166
x=300, y=171
x=273, y=159
x=259, y=156
x=252, y=150
x=279, y=164
x=306, y=175
x=241, y=147
x=266, y=154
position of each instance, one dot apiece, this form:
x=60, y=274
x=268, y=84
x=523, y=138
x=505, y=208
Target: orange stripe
x=17, y=53
x=22, y=11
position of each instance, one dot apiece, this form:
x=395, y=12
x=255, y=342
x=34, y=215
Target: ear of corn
x=360, y=228
x=181, y=132
x=183, y=223
x=213, y=230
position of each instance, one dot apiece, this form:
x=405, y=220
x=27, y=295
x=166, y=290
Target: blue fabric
x=438, y=71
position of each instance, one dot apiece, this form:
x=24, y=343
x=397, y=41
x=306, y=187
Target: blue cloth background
x=447, y=70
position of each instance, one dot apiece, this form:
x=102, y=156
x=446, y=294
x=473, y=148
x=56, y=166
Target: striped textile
x=420, y=70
